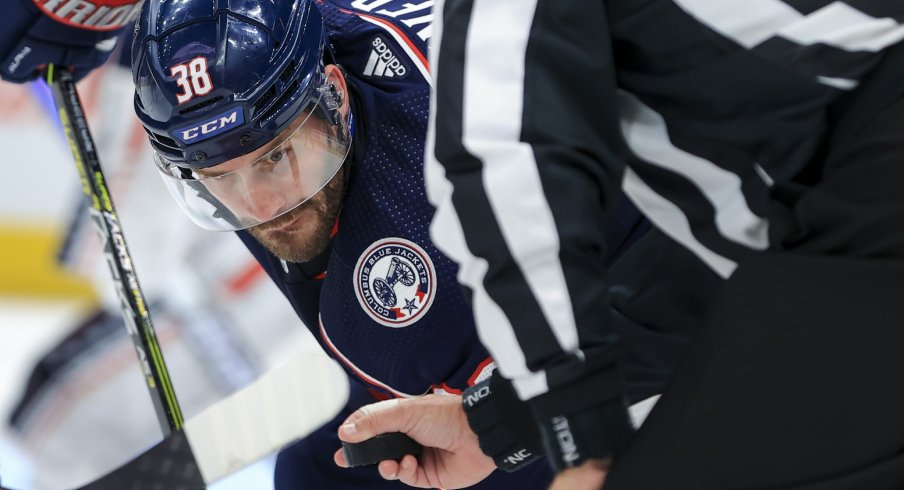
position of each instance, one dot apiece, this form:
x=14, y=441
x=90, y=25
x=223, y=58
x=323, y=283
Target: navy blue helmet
x=235, y=99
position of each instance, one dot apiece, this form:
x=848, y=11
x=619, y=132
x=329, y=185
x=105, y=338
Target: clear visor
x=265, y=184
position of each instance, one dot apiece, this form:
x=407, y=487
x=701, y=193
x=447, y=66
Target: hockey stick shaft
x=131, y=299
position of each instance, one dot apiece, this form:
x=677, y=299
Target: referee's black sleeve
x=524, y=156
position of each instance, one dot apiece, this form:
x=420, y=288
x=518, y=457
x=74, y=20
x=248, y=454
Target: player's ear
x=336, y=76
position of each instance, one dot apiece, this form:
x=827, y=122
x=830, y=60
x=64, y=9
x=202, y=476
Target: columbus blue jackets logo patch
x=395, y=282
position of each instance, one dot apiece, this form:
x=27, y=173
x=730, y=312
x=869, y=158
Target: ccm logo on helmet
x=212, y=127
x=98, y=15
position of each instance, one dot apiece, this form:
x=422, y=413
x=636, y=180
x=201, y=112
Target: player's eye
x=276, y=155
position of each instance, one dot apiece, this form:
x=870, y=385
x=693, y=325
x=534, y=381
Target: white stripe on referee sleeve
x=839, y=83
x=751, y=22
x=491, y=132
x=647, y=135
x=844, y=27
x=672, y=221
x=747, y=22
x=493, y=326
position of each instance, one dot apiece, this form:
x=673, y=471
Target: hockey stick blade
x=287, y=403
x=169, y=464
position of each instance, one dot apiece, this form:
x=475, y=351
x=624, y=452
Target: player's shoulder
x=381, y=40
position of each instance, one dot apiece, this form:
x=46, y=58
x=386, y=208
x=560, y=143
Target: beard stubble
x=308, y=237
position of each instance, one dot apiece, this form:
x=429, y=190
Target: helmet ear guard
x=333, y=101
x=334, y=97
x=337, y=96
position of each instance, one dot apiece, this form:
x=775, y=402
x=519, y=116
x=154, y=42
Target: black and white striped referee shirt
x=697, y=108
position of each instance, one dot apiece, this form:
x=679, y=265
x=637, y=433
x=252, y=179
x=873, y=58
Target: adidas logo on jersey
x=383, y=63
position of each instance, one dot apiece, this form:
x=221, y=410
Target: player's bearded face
x=286, y=186
x=302, y=164
x=303, y=233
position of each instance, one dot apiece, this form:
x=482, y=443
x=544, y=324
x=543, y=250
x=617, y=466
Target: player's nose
x=263, y=202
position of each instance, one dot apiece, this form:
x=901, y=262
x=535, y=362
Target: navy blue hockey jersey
x=385, y=302
x=382, y=300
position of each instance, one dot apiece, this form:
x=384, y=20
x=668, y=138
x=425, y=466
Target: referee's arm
x=523, y=158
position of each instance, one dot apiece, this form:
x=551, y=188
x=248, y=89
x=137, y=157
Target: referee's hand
x=451, y=457
x=589, y=476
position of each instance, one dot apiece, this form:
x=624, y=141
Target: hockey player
x=301, y=125
x=767, y=140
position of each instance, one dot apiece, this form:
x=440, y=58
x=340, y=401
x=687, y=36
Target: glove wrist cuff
x=594, y=433
x=496, y=439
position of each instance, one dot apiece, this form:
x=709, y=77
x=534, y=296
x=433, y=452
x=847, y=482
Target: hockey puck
x=393, y=445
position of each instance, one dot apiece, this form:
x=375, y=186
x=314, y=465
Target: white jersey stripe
x=839, y=83
x=844, y=27
x=641, y=410
x=493, y=327
x=761, y=19
x=672, y=221
x=647, y=136
x=491, y=132
x=837, y=24
x=767, y=179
